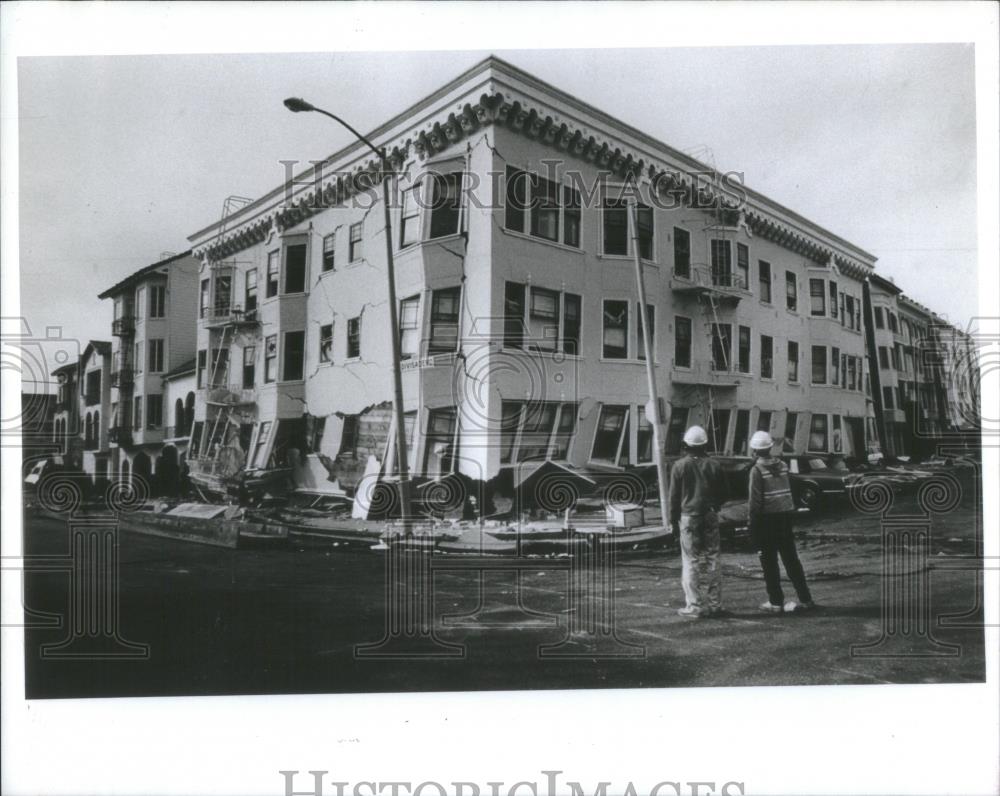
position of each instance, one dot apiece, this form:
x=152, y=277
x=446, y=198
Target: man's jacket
x=696, y=486
x=770, y=489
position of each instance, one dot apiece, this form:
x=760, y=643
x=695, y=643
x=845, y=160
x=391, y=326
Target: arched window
x=178, y=418
x=189, y=412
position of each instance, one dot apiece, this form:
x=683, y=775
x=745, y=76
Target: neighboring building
x=959, y=367
x=66, y=416
x=178, y=406
x=519, y=324
x=94, y=409
x=154, y=332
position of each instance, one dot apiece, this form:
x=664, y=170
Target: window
x=223, y=295
x=643, y=437
x=203, y=300
x=838, y=441
x=615, y=329
x=349, y=436
x=154, y=411
x=409, y=220
x=843, y=315
x=354, y=338
x=354, y=248
x=615, y=227
x=137, y=357
x=571, y=216
x=294, y=356
x=682, y=342
x=640, y=340
x=676, y=428
x=766, y=356
x=137, y=412
x=793, y=361
x=819, y=364
x=93, y=391
x=571, y=324
x=249, y=366
x=270, y=358
x=157, y=301
x=513, y=327
x=200, y=373
x=439, y=450
x=543, y=319
x=260, y=448
x=764, y=278
x=140, y=302
x=833, y=299
x=517, y=199
x=565, y=428
x=852, y=380
x=219, y=375
x=791, y=292
x=887, y=397
x=764, y=421
x=893, y=325
x=510, y=420
x=817, y=434
x=553, y=212
x=742, y=434
x=834, y=366
x=250, y=291
x=295, y=268
x=883, y=357
x=409, y=331
x=817, y=297
x=612, y=434
x=544, y=208
x=722, y=263
x=791, y=421
x=446, y=204
x=894, y=352
x=718, y=430
x=444, y=319
x=879, y=318
x=682, y=252
x=722, y=346
x=742, y=266
x=849, y=309
x=326, y=342
x=273, y=266
x=156, y=355
x=743, y=349
x=536, y=431
x=329, y=251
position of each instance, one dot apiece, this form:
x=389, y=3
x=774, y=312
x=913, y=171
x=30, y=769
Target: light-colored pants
x=701, y=576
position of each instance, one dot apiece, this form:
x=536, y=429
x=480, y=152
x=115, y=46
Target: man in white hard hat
x=697, y=492
x=771, y=509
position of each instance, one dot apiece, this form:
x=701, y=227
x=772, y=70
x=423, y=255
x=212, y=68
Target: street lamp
x=298, y=105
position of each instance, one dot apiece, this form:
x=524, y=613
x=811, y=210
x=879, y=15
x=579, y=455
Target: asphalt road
x=290, y=620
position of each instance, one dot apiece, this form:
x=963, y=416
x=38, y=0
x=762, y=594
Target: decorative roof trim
x=598, y=139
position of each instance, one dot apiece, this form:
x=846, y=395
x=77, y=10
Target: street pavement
x=296, y=619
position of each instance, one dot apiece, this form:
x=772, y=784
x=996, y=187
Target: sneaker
x=793, y=607
x=690, y=612
x=770, y=608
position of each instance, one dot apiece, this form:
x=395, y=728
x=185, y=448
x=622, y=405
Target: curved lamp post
x=298, y=105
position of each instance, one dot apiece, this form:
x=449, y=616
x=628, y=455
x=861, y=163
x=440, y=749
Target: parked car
x=815, y=477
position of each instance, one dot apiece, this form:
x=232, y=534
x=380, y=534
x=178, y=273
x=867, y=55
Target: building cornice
x=496, y=94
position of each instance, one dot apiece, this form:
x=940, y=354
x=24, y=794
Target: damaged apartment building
x=518, y=307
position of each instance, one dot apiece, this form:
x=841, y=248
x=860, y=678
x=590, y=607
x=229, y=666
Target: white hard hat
x=761, y=441
x=695, y=436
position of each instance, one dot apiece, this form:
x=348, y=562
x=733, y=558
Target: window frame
x=272, y=274
x=328, y=253
x=764, y=285
x=791, y=291
x=680, y=233
x=287, y=358
x=817, y=366
x=624, y=304
x=678, y=339
x=271, y=359
x=325, y=350
x=355, y=245
x=354, y=337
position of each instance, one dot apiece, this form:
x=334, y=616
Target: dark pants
x=772, y=535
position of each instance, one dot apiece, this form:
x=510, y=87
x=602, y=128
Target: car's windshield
x=817, y=464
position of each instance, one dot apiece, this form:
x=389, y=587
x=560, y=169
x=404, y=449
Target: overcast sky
x=121, y=158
